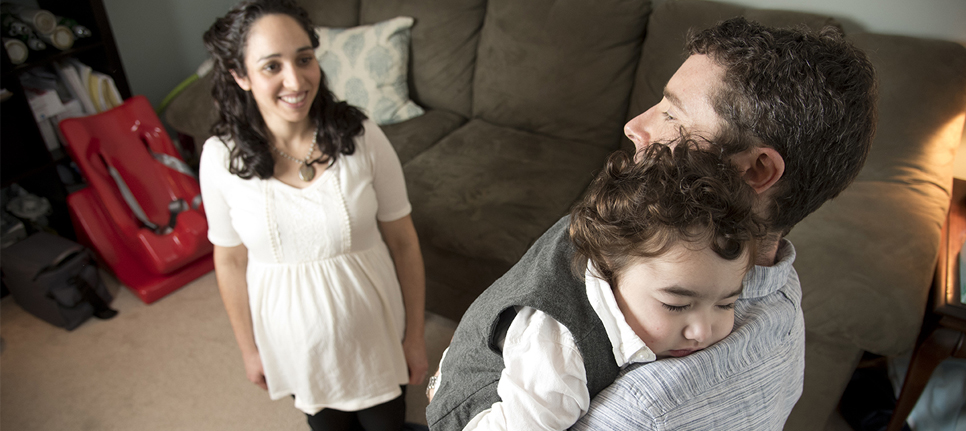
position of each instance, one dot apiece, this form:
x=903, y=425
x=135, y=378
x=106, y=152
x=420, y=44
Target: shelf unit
x=24, y=157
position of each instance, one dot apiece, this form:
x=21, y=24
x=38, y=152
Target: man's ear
x=242, y=81
x=760, y=167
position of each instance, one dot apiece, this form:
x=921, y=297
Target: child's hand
x=437, y=378
x=433, y=384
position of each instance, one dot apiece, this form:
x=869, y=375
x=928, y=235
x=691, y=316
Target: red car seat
x=142, y=209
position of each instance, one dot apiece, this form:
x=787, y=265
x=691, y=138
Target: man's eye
x=668, y=116
x=676, y=307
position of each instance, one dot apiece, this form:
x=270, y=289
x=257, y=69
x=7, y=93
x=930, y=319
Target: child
x=662, y=246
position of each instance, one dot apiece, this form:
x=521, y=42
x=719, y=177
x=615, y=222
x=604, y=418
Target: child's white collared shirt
x=544, y=384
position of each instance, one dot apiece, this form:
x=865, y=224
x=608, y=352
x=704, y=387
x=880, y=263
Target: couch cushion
x=899, y=199
x=332, y=13
x=559, y=68
x=412, y=137
x=488, y=191
x=444, y=41
x=661, y=56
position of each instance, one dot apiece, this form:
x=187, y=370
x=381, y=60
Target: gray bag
x=56, y=280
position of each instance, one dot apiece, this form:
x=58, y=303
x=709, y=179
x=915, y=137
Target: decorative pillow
x=366, y=66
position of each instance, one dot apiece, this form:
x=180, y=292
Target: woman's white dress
x=327, y=309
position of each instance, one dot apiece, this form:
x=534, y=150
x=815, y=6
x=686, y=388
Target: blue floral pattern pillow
x=366, y=66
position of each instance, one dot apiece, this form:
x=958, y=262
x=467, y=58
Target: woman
x=316, y=256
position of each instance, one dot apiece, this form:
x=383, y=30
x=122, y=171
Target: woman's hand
x=231, y=264
x=254, y=370
x=415, y=350
x=403, y=244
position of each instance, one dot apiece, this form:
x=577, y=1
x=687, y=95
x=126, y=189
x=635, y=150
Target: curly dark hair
x=810, y=96
x=679, y=192
x=238, y=116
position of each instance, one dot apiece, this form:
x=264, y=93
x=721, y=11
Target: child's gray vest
x=541, y=280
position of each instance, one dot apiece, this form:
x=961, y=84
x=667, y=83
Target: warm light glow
x=959, y=162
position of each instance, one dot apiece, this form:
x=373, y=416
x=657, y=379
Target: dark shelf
x=25, y=158
x=50, y=55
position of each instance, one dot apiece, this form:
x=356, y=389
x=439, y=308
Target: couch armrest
x=193, y=111
x=866, y=259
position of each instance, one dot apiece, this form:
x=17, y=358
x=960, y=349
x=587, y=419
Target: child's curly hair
x=681, y=192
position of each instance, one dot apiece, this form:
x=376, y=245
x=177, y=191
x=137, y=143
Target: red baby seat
x=140, y=213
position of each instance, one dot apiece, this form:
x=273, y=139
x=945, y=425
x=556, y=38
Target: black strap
x=102, y=310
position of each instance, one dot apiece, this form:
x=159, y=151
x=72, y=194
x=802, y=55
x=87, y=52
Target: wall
x=941, y=19
x=160, y=40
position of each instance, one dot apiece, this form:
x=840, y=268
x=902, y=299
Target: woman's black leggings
x=388, y=416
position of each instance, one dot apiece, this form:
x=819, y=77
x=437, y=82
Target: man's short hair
x=810, y=96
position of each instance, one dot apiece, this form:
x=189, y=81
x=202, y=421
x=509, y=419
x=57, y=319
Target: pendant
x=307, y=172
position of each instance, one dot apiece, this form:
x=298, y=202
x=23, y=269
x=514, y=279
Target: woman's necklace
x=306, y=171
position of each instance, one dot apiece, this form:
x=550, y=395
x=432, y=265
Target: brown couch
x=525, y=99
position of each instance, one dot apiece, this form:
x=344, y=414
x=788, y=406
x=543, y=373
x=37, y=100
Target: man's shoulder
x=763, y=342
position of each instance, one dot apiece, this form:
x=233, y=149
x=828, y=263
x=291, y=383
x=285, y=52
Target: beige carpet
x=171, y=365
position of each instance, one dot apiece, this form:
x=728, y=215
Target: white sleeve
x=387, y=175
x=544, y=384
x=212, y=172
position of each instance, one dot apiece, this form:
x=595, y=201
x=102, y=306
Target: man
x=796, y=113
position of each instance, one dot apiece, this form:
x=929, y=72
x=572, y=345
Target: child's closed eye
x=676, y=308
